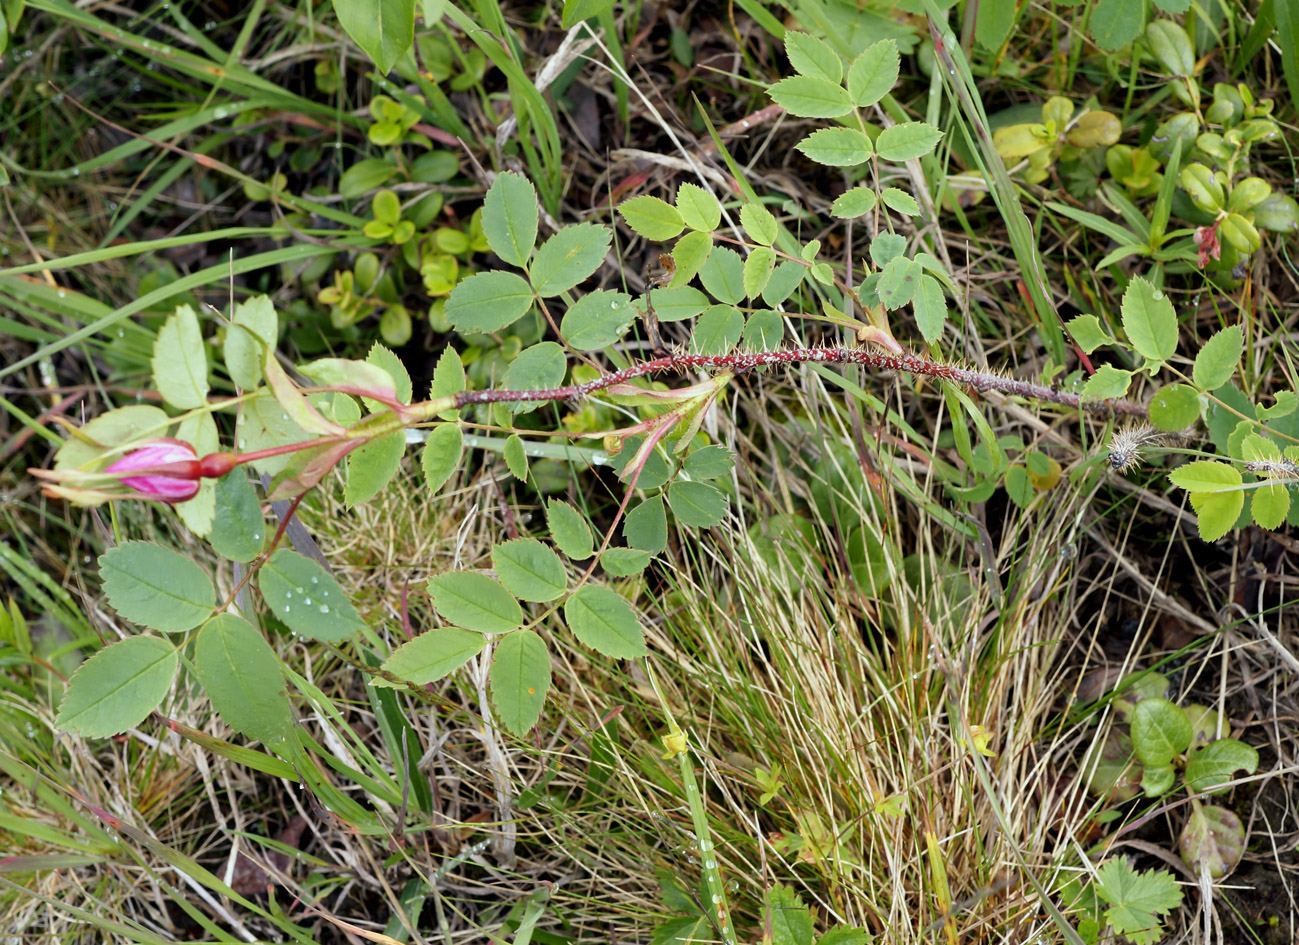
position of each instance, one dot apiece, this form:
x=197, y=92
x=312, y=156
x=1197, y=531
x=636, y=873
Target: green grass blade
x=211, y=275
x=959, y=80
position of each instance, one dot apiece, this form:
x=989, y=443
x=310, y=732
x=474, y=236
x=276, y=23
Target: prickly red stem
x=736, y=363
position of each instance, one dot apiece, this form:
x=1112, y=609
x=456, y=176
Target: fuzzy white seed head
x=1126, y=446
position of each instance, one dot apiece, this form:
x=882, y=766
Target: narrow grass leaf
x=510, y=218
x=156, y=587
x=241, y=675
x=117, y=687
x=432, y=655
x=307, y=598
x=180, y=361
x=475, y=601
x=576, y=11
x=604, y=621
x=1117, y=232
x=1287, y=37
x=529, y=569
x=520, y=677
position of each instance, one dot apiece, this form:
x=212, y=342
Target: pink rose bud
x=167, y=470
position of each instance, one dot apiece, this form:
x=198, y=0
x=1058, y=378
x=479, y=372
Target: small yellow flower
x=674, y=744
x=980, y=736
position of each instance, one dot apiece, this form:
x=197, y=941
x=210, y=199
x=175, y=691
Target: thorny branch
x=883, y=361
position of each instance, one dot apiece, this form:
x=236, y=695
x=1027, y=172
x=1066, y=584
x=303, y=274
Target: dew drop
x=324, y=608
x=286, y=608
x=1158, y=296
x=307, y=601
x=62, y=294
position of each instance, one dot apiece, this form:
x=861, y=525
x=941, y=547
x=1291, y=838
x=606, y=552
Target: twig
x=737, y=363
